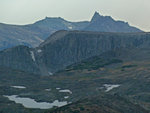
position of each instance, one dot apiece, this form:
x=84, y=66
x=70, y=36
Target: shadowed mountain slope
x=64, y=48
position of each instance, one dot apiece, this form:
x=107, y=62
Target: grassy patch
x=93, y=64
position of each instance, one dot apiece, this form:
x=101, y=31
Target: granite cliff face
x=33, y=34
x=64, y=48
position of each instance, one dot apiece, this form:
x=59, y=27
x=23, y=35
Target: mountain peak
x=46, y=18
x=99, y=17
x=96, y=13
x=95, y=16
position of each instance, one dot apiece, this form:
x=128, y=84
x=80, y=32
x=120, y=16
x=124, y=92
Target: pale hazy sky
x=136, y=12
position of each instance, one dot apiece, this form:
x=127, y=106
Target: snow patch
x=31, y=103
x=66, y=97
x=47, y=89
x=32, y=55
x=39, y=50
x=58, y=88
x=18, y=87
x=70, y=27
x=65, y=91
x=110, y=87
x=50, y=73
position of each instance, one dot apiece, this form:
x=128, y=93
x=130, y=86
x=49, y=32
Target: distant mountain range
x=32, y=35
x=108, y=24
x=64, y=48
